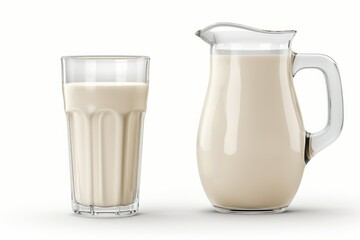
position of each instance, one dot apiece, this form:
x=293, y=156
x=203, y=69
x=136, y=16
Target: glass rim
x=106, y=57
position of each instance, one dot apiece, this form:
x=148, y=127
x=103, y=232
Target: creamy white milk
x=105, y=122
x=251, y=138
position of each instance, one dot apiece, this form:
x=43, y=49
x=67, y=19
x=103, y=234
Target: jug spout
x=232, y=36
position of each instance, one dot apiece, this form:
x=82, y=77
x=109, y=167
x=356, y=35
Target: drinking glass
x=105, y=101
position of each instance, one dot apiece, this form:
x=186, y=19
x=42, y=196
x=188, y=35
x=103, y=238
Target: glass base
x=115, y=211
x=250, y=211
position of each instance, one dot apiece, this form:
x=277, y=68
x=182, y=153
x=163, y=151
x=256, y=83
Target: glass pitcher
x=252, y=146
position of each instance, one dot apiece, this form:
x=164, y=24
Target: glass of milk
x=105, y=101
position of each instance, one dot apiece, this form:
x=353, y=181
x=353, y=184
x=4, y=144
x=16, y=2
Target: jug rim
x=230, y=24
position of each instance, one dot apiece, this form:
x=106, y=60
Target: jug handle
x=315, y=142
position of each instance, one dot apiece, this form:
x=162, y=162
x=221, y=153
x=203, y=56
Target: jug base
x=250, y=211
x=106, y=212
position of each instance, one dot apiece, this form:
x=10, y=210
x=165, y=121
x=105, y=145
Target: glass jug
x=252, y=146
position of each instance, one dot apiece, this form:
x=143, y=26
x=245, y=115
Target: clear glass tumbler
x=105, y=101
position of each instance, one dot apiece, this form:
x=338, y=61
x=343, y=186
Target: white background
x=34, y=170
